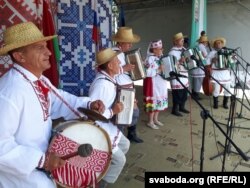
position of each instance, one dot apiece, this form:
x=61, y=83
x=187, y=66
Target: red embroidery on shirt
x=42, y=94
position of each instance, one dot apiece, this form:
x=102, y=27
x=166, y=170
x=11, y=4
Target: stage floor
x=176, y=147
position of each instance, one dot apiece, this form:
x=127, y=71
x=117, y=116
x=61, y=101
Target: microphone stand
x=230, y=119
x=205, y=114
x=231, y=123
x=230, y=126
x=239, y=115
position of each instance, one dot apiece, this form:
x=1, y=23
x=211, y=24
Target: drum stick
x=84, y=150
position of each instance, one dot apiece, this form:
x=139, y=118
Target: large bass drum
x=80, y=171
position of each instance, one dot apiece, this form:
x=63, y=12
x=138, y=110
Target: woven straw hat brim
x=135, y=39
x=202, y=40
x=223, y=40
x=178, y=36
x=102, y=60
x=5, y=49
x=198, y=40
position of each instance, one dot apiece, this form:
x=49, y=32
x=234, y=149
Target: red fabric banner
x=49, y=29
x=13, y=12
x=38, y=12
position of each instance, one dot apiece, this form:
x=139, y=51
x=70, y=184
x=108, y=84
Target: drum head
x=81, y=171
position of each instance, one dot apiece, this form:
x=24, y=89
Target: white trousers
x=118, y=160
x=217, y=88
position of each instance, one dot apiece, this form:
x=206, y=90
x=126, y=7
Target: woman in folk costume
x=124, y=39
x=221, y=75
x=179, y=93
x=104, y=88
x=198, y=74
x=154, y=86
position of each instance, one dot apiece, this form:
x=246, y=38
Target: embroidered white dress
x=154, y=86
x=25, y=130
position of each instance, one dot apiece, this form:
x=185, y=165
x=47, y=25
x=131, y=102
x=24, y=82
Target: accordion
x=134, y=57
x=127, y=97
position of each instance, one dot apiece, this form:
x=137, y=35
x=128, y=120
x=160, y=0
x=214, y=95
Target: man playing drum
x=219, y=73
x=104, y=87
x=29, y=102
x=124, y=39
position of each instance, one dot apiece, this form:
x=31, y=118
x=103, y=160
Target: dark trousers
x=135, y=116
x=179, y=96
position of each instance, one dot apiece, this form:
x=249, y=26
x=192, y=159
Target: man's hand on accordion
x=128, y=67
x=182, y=60
x=117, y=108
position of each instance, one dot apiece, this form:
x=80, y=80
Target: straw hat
x=223, y=40
x=106, y=55
x=21, y=35
x=202, y=38
x=178, y=36
x=125, y=34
